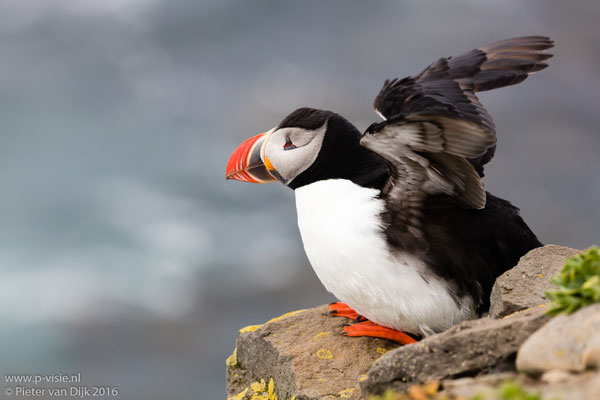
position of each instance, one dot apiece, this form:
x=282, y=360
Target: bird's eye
x=288, y=144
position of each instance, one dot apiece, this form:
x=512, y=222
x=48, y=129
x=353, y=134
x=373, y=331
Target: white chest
x=340, y=227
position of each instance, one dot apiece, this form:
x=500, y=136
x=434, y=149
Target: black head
x=311, y=145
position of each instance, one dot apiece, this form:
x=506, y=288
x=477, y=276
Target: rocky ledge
x=302, y=355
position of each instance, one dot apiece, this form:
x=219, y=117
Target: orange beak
x=246, y=163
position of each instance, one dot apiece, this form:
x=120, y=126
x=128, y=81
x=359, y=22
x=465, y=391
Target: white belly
x=339, y=223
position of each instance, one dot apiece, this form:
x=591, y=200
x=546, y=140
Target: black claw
x=361, y=318
x=415, y=336
x=331, y=312
x=334, y=302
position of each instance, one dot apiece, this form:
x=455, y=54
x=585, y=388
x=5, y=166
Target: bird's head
x=307, y=146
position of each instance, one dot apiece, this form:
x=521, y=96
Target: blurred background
x=124, y=254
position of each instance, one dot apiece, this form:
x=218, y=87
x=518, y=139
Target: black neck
x=342, y=157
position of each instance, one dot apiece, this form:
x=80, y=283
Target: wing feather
x=449, y=84
x=437, y=136
x=428, y=153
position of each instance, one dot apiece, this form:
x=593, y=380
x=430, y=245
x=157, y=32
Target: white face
x=292, y=150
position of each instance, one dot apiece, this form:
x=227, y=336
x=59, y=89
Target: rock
x=467, y=349
x=576, y=387
x=584, y=386
x=567, y=342
x=525, y=285
x=470, y=387
x=301, y=354
x=556, y=376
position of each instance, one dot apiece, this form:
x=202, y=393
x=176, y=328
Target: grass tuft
x=578, y=283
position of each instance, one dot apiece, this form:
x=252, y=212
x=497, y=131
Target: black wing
x=437, y=136
x=448, y=85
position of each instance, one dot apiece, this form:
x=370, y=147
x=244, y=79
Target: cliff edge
x=303, y=356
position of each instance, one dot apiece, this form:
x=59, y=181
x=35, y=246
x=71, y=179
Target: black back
x=469, y=248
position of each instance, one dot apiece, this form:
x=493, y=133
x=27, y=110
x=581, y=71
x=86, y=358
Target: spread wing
x=449, y=84
x=437, y=136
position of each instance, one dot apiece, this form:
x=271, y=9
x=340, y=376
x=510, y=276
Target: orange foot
x=343, y=310
x=366, y=327
x=371, y=329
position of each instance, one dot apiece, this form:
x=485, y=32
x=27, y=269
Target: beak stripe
x=268, y=164
x=246, y=165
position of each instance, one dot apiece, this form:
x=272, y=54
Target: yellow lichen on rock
x=321, y=335
x=324, y=354
x=381, y=350
x=346, y=393
x=286, y=315
x=250, y=328
x=262, y=391
x=232, y=359
x=271, y=389
x=259, y=387
x=239, y=396
x=329, y=365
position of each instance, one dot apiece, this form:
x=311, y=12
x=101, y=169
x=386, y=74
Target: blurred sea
x=125, y=255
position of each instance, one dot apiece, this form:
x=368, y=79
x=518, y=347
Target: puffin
x=396, y=221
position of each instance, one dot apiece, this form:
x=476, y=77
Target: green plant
x=578, y=283
x=511, y=390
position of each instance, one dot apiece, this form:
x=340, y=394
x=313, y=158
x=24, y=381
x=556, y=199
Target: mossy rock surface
x=305, y=356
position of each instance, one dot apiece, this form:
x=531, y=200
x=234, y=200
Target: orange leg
x=371, y=329
x=343, y=310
